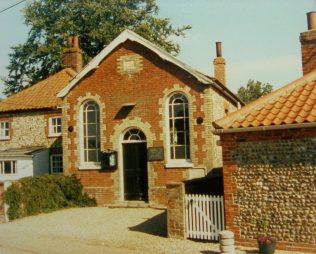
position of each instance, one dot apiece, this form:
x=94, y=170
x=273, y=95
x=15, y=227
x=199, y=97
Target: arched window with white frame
x=178, y=128
x=90, y=133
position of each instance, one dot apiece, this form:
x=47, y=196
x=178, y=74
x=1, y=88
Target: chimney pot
x=218, y=49
x=311, y=20
x=75, y=41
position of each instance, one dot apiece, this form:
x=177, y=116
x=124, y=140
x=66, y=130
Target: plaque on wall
x=155, y=153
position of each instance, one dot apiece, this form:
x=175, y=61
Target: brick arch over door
x=116, y=140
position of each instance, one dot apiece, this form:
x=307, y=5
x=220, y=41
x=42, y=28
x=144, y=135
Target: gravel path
x=97, y=230
x=135, y=229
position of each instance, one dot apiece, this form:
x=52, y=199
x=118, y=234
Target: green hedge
x=34, y=195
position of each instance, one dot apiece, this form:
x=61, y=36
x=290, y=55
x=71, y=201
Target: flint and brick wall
x=148, y=86
x=271, y=175
x=2, y=219
x=29, y=129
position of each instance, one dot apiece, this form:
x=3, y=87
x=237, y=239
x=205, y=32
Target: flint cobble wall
x=270, y=176
x=29, y=129
x=276, y=182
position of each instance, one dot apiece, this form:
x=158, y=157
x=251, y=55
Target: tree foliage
x=97, y=22
x=253, y=90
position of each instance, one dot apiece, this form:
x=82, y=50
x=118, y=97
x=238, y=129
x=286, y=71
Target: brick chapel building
x=133, y=119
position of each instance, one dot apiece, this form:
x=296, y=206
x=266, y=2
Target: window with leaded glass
x=179, y=131
x=91, y=131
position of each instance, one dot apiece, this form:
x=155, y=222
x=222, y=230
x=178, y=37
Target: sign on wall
x=155, y=153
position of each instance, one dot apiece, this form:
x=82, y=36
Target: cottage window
x=56, y=163
x=178, y=130
x=55, y=126
x=90, y=134
x=4, y=130
x=7, y=167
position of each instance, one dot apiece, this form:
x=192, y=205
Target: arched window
x=90, y=132
x=134, y=135
x=179, y=131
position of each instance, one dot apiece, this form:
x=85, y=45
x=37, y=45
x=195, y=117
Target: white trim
x=82, y=163
x=51, y=126
x=129, y=35
x=90, y=166
x=4, y=137
x=179, y=164
x=11, y=161
x=121, y=165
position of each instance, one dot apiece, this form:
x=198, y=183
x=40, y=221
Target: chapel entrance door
x=135, y=165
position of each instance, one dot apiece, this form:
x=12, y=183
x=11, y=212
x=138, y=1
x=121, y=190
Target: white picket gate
x=204, y=216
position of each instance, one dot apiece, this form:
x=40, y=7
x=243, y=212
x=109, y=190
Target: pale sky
x=260, y=38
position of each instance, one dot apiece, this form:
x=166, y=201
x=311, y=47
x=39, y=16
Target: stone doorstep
x=129, y=204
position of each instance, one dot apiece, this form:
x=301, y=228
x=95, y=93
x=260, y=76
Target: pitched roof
x=129, y=35
x=42, y=95
x=294, y=103
x=24, y=151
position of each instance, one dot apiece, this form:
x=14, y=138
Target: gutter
x=264, y=128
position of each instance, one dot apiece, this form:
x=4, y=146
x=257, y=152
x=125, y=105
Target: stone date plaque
x=155, y=153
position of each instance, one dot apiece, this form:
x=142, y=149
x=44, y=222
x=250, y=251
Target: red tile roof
x=292, y=104
x=42, y=95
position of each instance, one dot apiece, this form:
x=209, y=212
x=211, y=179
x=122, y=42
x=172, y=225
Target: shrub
x=34, y=195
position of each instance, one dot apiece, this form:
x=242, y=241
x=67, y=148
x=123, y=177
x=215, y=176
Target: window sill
x=54, y=135
x=4, y=138
x=179, y=164
x=90, y=166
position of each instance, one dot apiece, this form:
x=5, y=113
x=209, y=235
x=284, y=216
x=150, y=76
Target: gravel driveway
x=96, y=230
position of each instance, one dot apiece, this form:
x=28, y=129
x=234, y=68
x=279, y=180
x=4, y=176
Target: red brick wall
x=292, y=238
x=145, y=89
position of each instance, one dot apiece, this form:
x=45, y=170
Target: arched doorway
x=135, y=165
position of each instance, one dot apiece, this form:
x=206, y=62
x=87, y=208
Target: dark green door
x=135, y=171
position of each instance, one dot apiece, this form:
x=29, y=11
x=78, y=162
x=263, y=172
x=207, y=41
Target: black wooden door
x=135, y=171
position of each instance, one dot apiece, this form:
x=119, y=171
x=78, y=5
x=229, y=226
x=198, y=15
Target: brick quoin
x=229, y=142
x=1, y=202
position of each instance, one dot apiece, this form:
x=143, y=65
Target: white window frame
x=13, y=165
x=5, y=130
x=52, y=165
x=84, y=165
x=53, y=126
x=176, y=163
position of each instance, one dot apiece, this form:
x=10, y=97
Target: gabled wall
x=149, y=87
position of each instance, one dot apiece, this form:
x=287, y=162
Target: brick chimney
x=219, y=64
x=308, y=44
x=72, y=55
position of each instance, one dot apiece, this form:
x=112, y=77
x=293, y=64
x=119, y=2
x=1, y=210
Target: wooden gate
x=204, y=216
